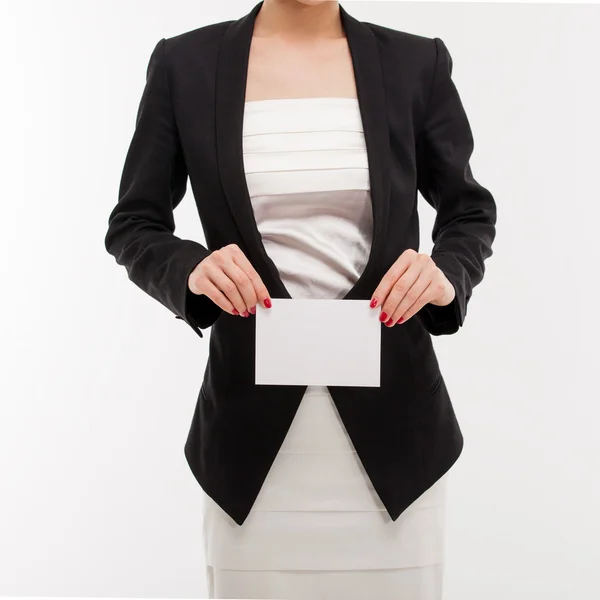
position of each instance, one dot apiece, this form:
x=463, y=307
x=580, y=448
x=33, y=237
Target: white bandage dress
x=318, y=530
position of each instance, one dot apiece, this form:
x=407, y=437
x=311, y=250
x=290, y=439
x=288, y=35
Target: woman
x=306, y=134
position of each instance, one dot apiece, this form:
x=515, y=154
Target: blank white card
x=318, y=342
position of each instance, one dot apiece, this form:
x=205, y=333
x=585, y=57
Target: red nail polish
x=389, y=322
x=235, y=311
x=373, y=303
x=246, y=313
x=400, y=319
x=267, y=303
x=253, y=310
x=383, y=317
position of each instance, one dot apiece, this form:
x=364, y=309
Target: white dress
x=318, y=530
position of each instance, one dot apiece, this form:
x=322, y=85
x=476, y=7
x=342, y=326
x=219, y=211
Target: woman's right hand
x=230, y=281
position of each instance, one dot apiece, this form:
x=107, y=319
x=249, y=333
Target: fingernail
x=267, y=303
x=383, y=317
x=246, y=313
x=389, y=322
x=400, y=319
x=374, y=303
x=235, y=311
x=253, y=310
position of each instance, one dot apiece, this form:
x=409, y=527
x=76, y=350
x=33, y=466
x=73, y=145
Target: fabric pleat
x=411, y=583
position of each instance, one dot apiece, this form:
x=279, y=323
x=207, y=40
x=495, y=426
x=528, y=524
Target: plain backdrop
x=99, y=382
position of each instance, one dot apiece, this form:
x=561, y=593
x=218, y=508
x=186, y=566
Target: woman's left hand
x=411, y=282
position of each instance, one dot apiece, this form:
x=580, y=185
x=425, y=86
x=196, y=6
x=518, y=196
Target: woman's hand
x=230, y=281
x=411, y=282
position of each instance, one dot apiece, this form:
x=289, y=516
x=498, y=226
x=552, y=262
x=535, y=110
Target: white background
x=99, y=381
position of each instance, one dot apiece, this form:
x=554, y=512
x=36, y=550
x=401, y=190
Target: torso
x=281, y=69
x=307, y=174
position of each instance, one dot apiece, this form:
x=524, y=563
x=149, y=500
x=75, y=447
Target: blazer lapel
x=230, y=97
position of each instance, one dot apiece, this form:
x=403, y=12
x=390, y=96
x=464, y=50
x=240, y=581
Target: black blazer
x=418, y=138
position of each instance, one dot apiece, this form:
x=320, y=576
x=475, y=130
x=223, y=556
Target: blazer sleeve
x=464, y=227
x=141, y=226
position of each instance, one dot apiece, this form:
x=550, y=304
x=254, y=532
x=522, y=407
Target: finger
x=393, y=274
x=417, y=296
x=399, y=290
x=425, y=298
x=244, y=285
x=260, y=292
x=220, y=278
x=217, y=296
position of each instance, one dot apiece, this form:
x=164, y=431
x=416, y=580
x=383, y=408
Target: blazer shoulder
x=206, y=36
x=419, y=46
